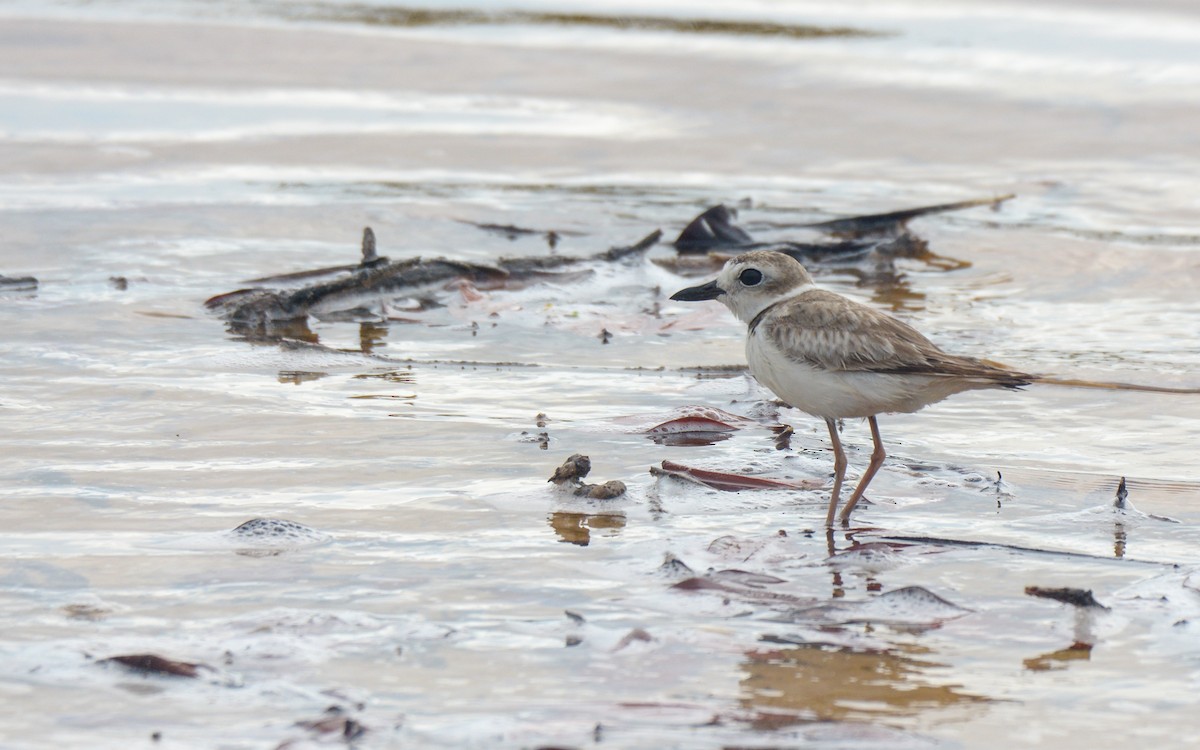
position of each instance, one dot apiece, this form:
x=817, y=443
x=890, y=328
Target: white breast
x=840, y=394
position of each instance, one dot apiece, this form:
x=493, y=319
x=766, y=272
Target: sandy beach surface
x=434, y=589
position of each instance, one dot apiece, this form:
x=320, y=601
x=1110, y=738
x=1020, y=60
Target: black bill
x=697, y=293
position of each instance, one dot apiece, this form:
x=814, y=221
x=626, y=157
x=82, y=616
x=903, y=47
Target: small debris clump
x=571, y=475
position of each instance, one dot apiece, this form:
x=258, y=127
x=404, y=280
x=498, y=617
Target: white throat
x=747, y=308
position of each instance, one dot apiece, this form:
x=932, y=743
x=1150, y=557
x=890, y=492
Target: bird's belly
x=837, y=394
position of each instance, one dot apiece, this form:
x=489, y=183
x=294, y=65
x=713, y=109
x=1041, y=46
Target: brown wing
x=826, y=330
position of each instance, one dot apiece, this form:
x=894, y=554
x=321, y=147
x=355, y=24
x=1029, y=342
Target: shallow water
x=187, y=147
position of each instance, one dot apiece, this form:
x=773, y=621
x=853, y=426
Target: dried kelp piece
x=714, y=229
x=644, y=422
x=975, y=544
x=913, y=606
x=155, y=664
x=894, y=222
x=726, y=481
x=1087, y=610
x=414, y=17
x=1066, y=595
x=690, y=430
x=571, y=473
x=746, y=578
x=512, y=232
x=744, y=587
x=507, y=231
x=260, y=311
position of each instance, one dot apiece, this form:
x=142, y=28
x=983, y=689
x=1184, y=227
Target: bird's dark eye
x=750, y=277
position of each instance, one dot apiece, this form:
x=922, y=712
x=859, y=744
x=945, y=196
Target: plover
x=836, y=358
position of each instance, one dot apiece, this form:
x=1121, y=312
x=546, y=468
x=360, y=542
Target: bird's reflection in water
x=576, y=528
x=809, y=683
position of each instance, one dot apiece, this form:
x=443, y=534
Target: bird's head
x=751, y=282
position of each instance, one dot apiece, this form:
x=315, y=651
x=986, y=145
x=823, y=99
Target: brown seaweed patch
x=420, y=17
x=154, y=664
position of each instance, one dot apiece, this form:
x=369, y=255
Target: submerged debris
x=733, y=585
x=714, y=230
x=334, y=723
x=884, y=234
x=571, y=475
x=262, y=312
x=721, y=480
x=265, y=537
x=674, y=567
x=155, y=664
x=1086, y=610
x=637, y=635
x=912, y=606
x=512, y=232
x=18, y=284
x=691, y=429
x=897, y=221
x=1066, y=595
x=278, y=528
x=356, y=291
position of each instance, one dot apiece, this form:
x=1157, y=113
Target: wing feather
x=829, y=331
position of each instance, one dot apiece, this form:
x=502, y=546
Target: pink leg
x=839, y=470
x=877, y=457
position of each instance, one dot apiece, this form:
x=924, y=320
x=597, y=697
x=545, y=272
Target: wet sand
x=187, y=148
